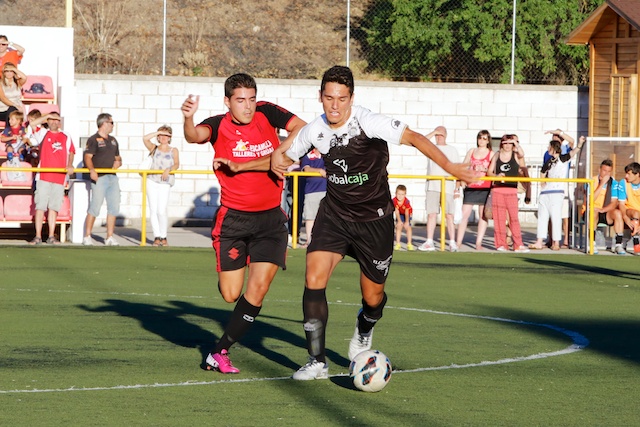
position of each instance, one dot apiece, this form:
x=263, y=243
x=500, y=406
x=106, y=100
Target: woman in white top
x=167, y=159
x=11, y=91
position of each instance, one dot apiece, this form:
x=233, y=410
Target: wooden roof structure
x=612, y=32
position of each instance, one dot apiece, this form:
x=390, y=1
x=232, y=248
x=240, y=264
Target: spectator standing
x=356, y=216
x=166, y=159
x=434, y=189
x=476, y=193
x=10, y=51
x=249, y=225
x=315, y=188
x=505, y=194
x=11, y=90
x=629, y=202
x=403, y=213
x=56, y=151
x=102, y=152
x=553, y=194
x=605, y=204
x=567, y=144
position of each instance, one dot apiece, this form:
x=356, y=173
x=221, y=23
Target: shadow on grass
x=590, y=269
x=168, y=322
x=613, y=338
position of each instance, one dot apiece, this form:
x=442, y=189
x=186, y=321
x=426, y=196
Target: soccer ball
x=370, y=371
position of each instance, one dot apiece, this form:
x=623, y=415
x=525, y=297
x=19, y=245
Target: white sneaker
x=313, y=370
x=501, y=249
x=111, y=242
x=359, y=343
x=427, y=246
x=87, y=241
x=619, y=250
x=453, y=247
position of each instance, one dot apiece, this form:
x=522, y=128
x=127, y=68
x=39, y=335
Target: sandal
x=163, y=242
x=36, y=241
x=555, y=248
x=534, y=247
x=157, y=242
x=564, y=246
x=53, y=241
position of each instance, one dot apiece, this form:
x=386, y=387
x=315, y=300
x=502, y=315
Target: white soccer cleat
x=313, y=370
x=359, y=343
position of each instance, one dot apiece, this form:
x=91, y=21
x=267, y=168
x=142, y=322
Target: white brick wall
x=139, y=104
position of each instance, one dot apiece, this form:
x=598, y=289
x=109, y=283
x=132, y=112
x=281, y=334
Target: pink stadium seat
x=7, y=178
x=1, y=210
x=3, y=152
x=38, y=89
x=19, y=207
x=43, y=108
x=65, y=211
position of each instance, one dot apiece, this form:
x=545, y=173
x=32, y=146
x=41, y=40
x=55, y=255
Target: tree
x=470, y=40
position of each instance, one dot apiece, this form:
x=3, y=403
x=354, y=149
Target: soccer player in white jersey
x=356, y=216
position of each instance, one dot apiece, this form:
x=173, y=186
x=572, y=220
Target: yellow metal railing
x=296, y=188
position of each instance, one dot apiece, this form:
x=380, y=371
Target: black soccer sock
x=241, y=320
x=619, y=238
x=316, y=314
x=636, y=240
x=369, y=316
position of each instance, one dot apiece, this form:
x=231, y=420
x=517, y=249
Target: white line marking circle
x=579, y=342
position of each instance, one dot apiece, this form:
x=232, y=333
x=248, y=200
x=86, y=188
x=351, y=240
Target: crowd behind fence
x=590, y=184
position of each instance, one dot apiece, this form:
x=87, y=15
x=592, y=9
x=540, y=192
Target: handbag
x=147, y=162
x=457, y=210
x=488, y=209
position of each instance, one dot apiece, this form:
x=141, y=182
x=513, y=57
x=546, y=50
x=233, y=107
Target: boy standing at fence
x=56, y=151
x=403, y=213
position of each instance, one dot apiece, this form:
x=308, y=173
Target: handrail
x=294, y=226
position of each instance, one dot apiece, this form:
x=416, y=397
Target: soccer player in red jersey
x=249, y=228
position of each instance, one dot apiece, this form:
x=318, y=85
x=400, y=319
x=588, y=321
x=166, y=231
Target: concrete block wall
x=140, y=104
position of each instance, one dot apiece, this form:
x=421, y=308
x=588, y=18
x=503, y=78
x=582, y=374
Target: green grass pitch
x=116, y=336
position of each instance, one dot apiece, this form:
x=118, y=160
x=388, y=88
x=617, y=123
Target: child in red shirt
x=403, y=216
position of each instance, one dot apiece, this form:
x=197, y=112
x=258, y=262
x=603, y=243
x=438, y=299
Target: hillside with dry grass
x=267, y=38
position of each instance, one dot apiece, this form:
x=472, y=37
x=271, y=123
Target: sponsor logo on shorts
x=234, y=253
x=383, y=265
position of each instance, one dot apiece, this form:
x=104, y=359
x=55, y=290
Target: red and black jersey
x=248, y=191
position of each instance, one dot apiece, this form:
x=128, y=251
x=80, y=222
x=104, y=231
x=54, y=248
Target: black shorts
x=370, y=243
x=602, y=218
x=241, y=237
x=475, y=196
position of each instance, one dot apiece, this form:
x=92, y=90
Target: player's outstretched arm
x=426, y=147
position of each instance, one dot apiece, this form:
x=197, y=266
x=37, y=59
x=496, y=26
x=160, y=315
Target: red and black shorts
x=241, y=237
x=370, y=243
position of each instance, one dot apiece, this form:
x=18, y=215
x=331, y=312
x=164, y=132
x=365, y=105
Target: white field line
x=579, y=342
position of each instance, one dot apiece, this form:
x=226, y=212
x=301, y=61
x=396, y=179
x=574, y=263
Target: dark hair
x=338, y=74
x=633, y=167
x=401, y=188
x=486, y=133
x=237, y=81
x=556, y=146
x=607, y=162
x=102, y=118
